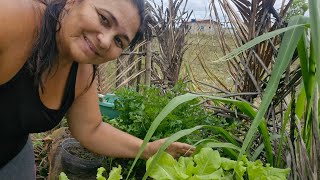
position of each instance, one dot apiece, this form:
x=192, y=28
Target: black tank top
x=22, y=111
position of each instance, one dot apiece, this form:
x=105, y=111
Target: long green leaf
x=314, y=6
x=256, y=41
x=308, y=68
x=307, y=130
x=222, y=145
x=286, y=51
x=304, y=63
x=300, y=104
x=315, y=55
x=224, y=134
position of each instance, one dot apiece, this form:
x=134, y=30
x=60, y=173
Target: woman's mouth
x=91, y=46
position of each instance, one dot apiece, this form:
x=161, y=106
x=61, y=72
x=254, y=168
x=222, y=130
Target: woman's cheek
x=112, y=55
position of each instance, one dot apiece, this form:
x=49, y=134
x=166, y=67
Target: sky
x=201, y=7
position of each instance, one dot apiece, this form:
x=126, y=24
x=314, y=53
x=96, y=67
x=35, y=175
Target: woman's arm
x=85, y=123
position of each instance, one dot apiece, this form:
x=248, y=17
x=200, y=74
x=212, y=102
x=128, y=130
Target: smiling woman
x=97, y=31
x=48, y=53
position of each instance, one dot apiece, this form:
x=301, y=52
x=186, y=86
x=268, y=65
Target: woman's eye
x=118, y=42
x=104, y=20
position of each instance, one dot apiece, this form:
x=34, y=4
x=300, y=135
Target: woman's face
x=97, y=31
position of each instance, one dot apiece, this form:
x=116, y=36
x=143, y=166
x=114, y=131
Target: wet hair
x=45, y=50
x=140, y=6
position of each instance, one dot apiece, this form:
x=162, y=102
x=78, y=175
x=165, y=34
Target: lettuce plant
x=115, y=174
x=208, y=164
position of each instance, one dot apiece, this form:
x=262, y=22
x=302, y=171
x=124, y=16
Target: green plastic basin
x=107, y=106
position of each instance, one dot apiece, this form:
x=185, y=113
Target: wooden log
x=148, y=64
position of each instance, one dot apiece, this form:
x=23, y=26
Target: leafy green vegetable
x=207, y=161
x=115, y=173
x=208, y=165
x=216, y=175
x=163, y=168
x=228, y=164
x=185, y=166
x=63, y=176
x=256, y=171
x=101, y=170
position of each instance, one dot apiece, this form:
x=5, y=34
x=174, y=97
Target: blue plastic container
x=107, y=106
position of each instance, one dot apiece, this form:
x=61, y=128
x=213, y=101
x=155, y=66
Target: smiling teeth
x=88, y=43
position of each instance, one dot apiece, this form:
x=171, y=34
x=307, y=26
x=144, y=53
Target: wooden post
x=132, y=71
x=172, y=13
x=148, y=64
x=139, y=68
x=119, y=71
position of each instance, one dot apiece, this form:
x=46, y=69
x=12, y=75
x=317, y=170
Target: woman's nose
x=105, y=41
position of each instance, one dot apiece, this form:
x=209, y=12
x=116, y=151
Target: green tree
x=298, y=7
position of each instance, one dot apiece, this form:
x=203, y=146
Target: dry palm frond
x=125, y=72
x=168, y=26
x=249, y=19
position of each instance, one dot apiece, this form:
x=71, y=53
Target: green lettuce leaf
x=228, y=164
x=256, y=171
x=237, y=166
x=216, y=175
x=208, y=165
x=63, y=176
x=100, y=172
x=228, y=175
x=115, y=173
x=240, y=169
x=164, y=168
x=185, y=167
x=208, y=161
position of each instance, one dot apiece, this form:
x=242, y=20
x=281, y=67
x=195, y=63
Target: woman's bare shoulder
x=17, y=22
x=18, y=27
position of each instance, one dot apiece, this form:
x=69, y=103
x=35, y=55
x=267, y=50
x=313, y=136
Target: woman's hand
x=176, y=149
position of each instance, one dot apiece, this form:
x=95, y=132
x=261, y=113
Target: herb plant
x=139, y=109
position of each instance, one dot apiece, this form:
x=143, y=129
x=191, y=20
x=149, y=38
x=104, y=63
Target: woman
x=47, y=55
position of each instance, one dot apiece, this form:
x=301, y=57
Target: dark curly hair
x=45, y=50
